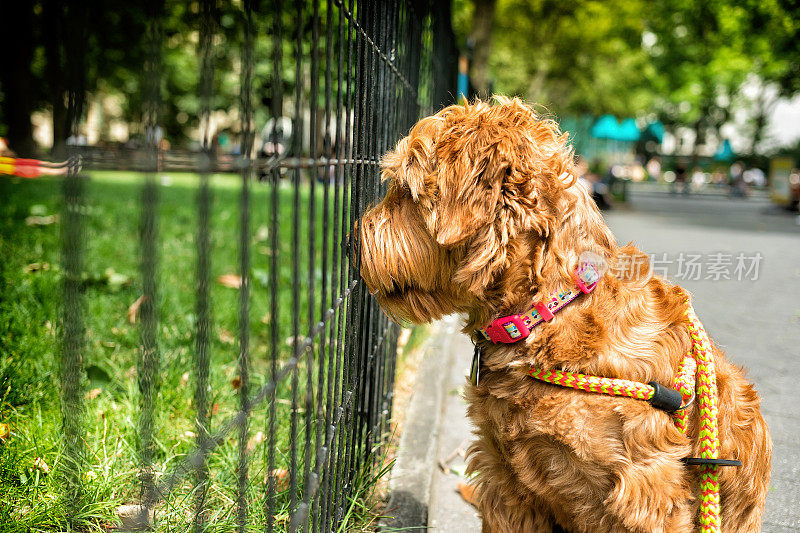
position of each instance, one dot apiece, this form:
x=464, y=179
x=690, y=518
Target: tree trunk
x=482, y=22
x=53, y=15
x=765, y=106
x=16, y=79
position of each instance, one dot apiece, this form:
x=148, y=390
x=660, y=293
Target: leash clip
x=687, y=404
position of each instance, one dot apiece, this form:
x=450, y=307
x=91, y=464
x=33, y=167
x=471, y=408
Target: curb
x=415, y=464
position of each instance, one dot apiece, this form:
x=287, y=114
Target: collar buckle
x=586, y=277
x=508, y=329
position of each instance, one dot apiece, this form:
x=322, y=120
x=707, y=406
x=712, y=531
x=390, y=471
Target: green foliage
x=682, y=61
x=572, y=57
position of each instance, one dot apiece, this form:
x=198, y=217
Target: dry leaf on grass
x=184, y=379
x=133, y=310
x=226, y=336
x=36, y=267
x=41, y=221
x=255, y=440
x=233, y=281
x=5, y=432
x=40, y=465
x=214, y=408
x=94, y=393
x=236, y=383
x=281, y=476
x=468, y=492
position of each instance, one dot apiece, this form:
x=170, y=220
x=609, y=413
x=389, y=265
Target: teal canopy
x=656, y=130
x=724, y=152
x=628, y=131
x=606, y=127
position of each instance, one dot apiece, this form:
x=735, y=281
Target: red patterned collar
x=513, y=328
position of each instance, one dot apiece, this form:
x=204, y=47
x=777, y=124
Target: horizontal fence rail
x=257, y=370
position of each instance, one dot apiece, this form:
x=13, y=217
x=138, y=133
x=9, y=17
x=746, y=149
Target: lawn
x=31, y=495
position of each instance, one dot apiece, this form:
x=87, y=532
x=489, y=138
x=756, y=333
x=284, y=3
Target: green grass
x=30, y=289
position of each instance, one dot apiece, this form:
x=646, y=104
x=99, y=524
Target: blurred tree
x=573, y=57
x=682, y=61
x=698, y=51
x=16, y=79
x=480, y=40
x=773, y=40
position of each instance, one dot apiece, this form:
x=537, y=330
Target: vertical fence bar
x=297, y=151
x=276, y=113
x=246, y=163
x=149, y=360
x=312, y=217
x=342, y=142
x=73, y=408
x=73, y=340
x=325, y=368
x=348, y=379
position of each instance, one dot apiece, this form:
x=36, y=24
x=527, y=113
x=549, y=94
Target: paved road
x=757, y=322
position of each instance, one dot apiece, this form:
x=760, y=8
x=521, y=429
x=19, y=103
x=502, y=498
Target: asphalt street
x=740, y=259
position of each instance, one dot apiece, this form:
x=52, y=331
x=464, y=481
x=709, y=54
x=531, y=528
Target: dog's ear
x=469, y=188
x=499, y=174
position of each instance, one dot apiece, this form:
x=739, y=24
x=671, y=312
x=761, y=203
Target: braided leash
x=695, y=373
x=707, y=404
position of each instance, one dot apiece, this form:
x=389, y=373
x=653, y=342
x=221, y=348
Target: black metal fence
x=335, y=83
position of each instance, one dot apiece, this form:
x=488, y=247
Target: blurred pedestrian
x=680, y=179
x=738, y=188
x=653, y=168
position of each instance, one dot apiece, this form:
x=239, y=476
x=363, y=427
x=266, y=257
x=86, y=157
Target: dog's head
x=480, y=214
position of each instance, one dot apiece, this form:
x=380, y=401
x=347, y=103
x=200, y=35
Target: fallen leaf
x=133, y=310
x=94, y=393
x=281, y=518
x=226, y=336
x=36, y=267
x=190, y=434
x=233, y=281
x=281, y=476
x=5, y=432
x=215, y=409
x=468, y=493
x=266, y=318
x=40, y=465
x=236, y=383
x=184, y=379
x=255, y=440
x=135, y=517
x=41, y=221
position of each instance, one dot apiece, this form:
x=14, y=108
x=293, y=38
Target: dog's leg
x=506, y=505
x=503, y=512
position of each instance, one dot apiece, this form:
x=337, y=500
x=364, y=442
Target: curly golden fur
x=483, y=217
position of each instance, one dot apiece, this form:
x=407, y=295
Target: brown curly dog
x=483, y=217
